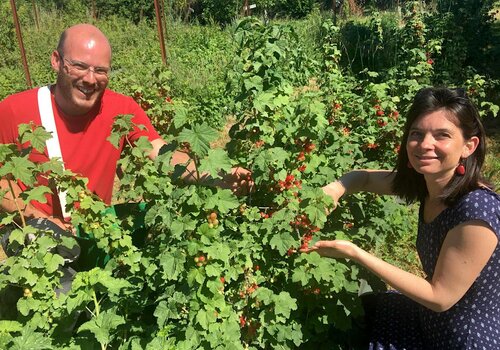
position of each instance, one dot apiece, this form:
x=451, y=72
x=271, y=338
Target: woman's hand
x=335, y=190
x=336, y=249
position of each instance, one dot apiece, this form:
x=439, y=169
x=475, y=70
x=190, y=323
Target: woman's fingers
x=337, y=249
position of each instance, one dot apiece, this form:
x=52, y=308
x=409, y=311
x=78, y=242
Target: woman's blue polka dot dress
x=473, y=322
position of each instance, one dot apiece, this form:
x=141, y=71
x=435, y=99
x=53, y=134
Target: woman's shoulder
x=481, y=204
x=481, y=196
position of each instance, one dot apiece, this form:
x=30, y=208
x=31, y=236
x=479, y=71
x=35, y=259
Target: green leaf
x=37, y=194
x=172, y=264
x=202, y=319
x=166, y=311
x=144, y=145
x=199, y=137
x=20, y=272
x=216, y=161
x=79, y=301
x=254, y=82
x=100, y=279
x=17, y=236
x=264, y=101
x=264, y=294
x=231, y=333
x=36, y=136
x=301, y=275
x=223, y=200
x=195, y=275
x=103, y=326
x=213, y=270
x=282, y=242
x=52, y=262
x=6, y=150
x=323, y=271
x=26, y=306
x=271, y=158
x=317, y=215
x=10, y=326
x=181, y=117
x=45, y=243
x=219, y=251
x=289, y=332
x=7, y=218
x=181, y=225
x=284, y=304
x=20, y=168
x=31, y=340
x=121, y=127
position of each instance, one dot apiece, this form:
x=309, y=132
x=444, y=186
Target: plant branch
x=19, y=210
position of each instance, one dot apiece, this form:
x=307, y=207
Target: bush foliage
x=305, y=101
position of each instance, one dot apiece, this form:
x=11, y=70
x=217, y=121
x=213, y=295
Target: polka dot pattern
x=474, y=321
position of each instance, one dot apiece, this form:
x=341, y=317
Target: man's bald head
x=83, y=33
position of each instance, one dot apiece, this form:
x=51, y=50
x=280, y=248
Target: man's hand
x=239, y=181
x=66, y=226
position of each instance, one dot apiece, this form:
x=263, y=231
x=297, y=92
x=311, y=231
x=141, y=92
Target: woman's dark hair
x=409, y=184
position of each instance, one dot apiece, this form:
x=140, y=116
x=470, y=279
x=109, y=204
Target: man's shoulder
x=25, y=96
x=118, y=103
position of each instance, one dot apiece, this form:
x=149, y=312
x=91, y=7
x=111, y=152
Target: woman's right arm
x=375, y=181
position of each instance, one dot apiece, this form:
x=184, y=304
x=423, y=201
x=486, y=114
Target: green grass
x=492, y=125
x=492, y=163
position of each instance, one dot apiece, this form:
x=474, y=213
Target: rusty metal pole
x=21, y=45
x=162, y=10
x=35, y=12
x=334, y=9
x=160, y=33
x=163, y=17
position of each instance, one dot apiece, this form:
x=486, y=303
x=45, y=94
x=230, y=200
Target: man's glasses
x=82, y=68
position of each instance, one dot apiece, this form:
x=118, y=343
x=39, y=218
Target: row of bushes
x=199, y=56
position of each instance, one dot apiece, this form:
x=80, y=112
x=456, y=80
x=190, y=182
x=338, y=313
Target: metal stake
x=21, y=45
x=160, y=33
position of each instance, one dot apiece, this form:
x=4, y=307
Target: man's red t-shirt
x=83, y=140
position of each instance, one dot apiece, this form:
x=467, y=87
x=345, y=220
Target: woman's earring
x=460, y=169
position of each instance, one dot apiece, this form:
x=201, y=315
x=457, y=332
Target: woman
x=457, y=305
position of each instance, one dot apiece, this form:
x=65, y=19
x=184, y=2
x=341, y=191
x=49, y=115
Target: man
x=84, y=111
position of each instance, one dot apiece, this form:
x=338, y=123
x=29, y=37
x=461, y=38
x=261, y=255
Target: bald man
x=84, y=111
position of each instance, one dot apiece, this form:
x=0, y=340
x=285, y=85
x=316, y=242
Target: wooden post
x=160, y=33
x=21, y=45
x=35, y=13
x=246, y=8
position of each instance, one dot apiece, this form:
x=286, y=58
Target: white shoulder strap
x=53, y=145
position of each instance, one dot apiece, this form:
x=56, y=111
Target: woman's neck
x=436, y=186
